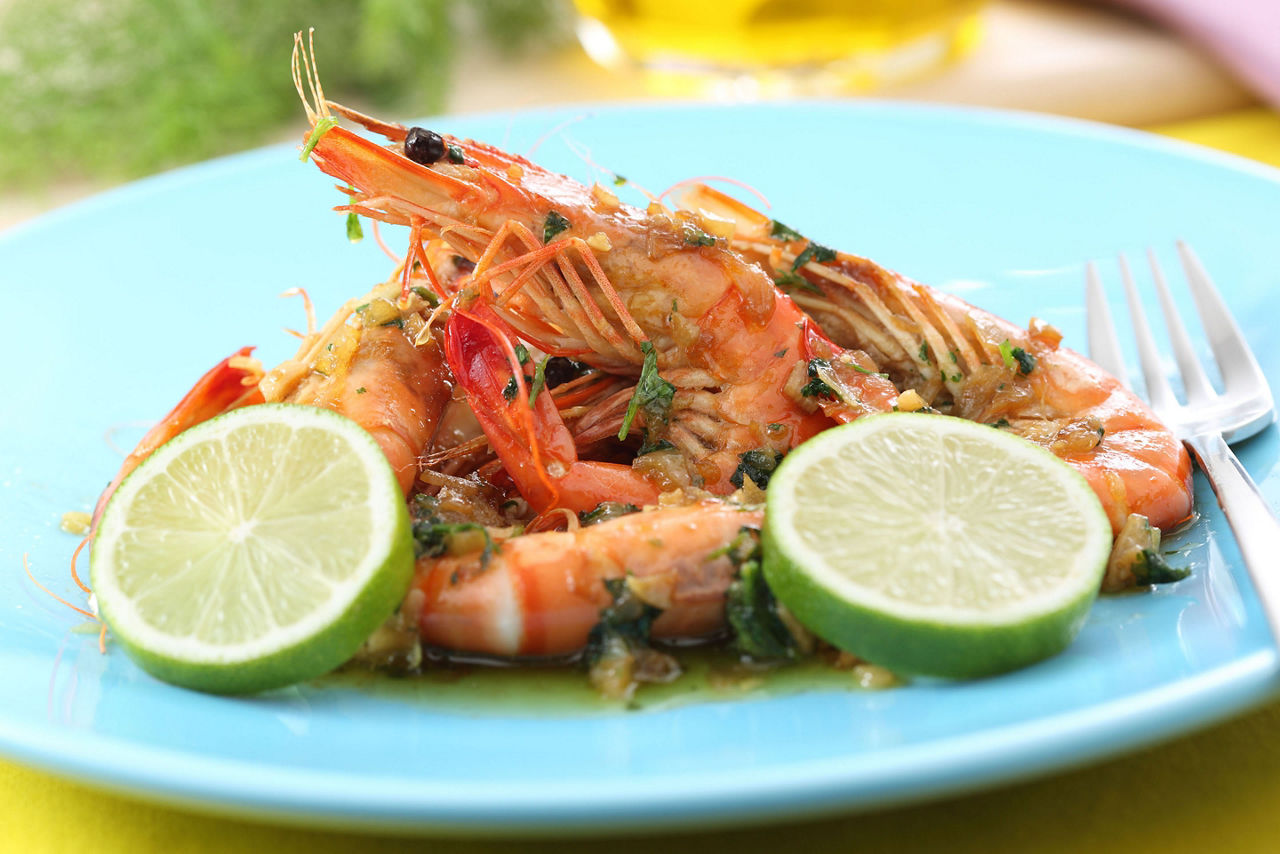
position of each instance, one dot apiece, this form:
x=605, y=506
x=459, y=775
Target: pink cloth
x=1243, y=34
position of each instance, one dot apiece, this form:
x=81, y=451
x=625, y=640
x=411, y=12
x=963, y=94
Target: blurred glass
x=813, y=44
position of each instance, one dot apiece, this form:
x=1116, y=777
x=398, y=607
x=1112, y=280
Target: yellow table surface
x=1218, y=790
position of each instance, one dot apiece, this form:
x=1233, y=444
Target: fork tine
x=1240, y=371
x=1194, y=379
x=1159, y=392
x=1104, y=346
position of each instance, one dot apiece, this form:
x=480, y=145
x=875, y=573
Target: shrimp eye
x=423, y=146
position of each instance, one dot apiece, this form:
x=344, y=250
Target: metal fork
x=1208, y=420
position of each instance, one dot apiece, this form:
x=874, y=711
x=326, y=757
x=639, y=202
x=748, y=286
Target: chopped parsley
x=361, y=390
x=1152, y=568
x=815, y=252
x=510, y=389
x=953, y=356
x=455, y=154
x=618, y=180
x=322, y=127
x=694, y=236
x=758, y=465
x=648, y=447
x=522, y=354
x=1003, y=422
x=924, y=351
x=817, y=386
x=623, y=627
x=431, y=533
x=788, y=279
x=539, y=379
x=354, y=232
x=427, y=294
x=1006, y=353
x=653, y=394
x=1016, y=357
x=555, y=224
x=782, y=232
x=750, y=607
x=605, y=511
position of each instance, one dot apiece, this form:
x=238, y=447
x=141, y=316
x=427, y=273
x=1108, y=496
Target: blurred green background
x=114, y=89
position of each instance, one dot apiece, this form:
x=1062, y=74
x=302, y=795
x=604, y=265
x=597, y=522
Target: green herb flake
x=817, y=386
x=779, y=231
x=431, y=533
x=618, y=180
x=427, y=295
x=509, y=391
x=361, y=390
x=954, y=358
x=1002, y=423
x=751, y=609
x=955, y=378
x=522, y=354
x=787, y=279
x=758, y=465
x=1026, y=361
x=624, y=626
x=694, y=236
x=653, y=394
x=455, y=154
x=815, y=252
x=774, y=428
x=650, y=447
x=1152, y=568
x=1006, y=353
x=779, y=354
x=555, y=224
x=322, y=127
x=539, y=379
x=604, y=511
x=924, y=351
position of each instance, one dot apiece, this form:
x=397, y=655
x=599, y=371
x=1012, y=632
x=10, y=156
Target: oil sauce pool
x=710, y=675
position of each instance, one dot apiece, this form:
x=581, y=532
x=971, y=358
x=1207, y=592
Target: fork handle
x=1252, y=520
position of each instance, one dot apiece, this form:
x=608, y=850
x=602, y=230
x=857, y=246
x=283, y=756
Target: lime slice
x=255, y=550
x=934, y=546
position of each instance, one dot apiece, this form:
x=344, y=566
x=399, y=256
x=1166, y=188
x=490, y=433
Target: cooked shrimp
x=231, y=383
x=373, y=371
x=967, y=362
x=541, y=594
x=720, y=352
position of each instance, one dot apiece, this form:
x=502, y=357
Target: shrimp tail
x=231, y=383
x=524, y=425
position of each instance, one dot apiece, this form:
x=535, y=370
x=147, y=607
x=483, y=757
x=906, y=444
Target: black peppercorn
x=423, y=146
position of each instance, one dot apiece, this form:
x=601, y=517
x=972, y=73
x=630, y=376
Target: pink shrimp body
x=540, y=595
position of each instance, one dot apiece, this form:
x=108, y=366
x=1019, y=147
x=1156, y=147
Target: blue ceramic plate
x=116, y=304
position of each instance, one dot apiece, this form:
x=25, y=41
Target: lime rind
x=159, y=503
x=949, y=618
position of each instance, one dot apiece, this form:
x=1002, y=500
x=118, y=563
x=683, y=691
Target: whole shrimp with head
x=963, y=361
x=722, y=358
